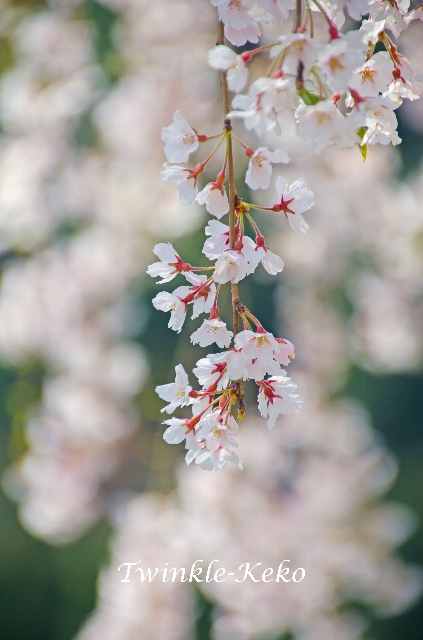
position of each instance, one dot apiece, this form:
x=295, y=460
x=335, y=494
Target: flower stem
x=231, y=179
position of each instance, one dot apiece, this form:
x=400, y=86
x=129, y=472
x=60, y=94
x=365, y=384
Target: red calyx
x=396, y=73
x=199, y=168
x=335, y=98
x=283, y=206
x=180, y=265
x=260, y=329
x=214, y=313
x=260, y=241
x=356, y=96
x=249, y=152
x=202, y=137
x=246, y=56
x=278, y=74
x=221, y=177
x=333, y=32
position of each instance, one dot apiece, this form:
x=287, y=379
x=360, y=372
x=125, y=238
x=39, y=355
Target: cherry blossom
x=276, y=10
x=373, y=77
x=287, y=352
x=296, y=48
x=231, y=266
x=260, y=345
x=215, y=199
x=218, y=369
x=270, y=261
x=404, y=85
x=377, y=115
x=240, y=26
x=324, y=124
x=218, y=241
x=356, y=8
x=176, y=431
x=277, y=397
x=204, y=294
x=265, y=100
x=185, y=181
x=415, y=14
x=294, y=200
x=371, y=31
x=216, y=460
x=176, y=393
x=393, y=14
x=180, y=139
x=170, y=263
x=165, y=301
x=224, y=59
x=339, y=60
x=213, y=444
x=212, y=331
x=259, y=169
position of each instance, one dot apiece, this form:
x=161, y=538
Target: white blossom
x=277, y=397
x=266, y=99
x=212, y=331
x=275, y=10
x=393, y=14
x=339, y=60
x=176, y=393
x=165, y=301
x=270, y=261
x=371, y=31
x=373, y=76
x=231, y=266
x=218, y=241
x=224, y=59
x=287, y=352
x=260, y=345
x=415, y=14
x=185, y=181
x=259, y=169
x=240, y=26
x=377, y=115
x=215, y=199
x=220, y=368
x=167, y=268
x=216, y=433
x=296, y=47
x=324, y=124
x=294, y=200
x=205, y=295
x=180, y=139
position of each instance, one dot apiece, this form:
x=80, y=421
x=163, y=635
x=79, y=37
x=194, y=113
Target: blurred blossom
x=308, y=494
x=153, y=610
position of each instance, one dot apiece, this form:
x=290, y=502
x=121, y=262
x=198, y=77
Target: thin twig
x=231, y=179
x=297, y=21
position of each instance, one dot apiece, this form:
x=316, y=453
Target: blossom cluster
x=344, y=93
x=210, y=435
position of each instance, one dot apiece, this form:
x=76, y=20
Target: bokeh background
x=88, y=482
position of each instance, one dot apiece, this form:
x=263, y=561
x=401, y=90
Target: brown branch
x=232, y=195
x=297, y=21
